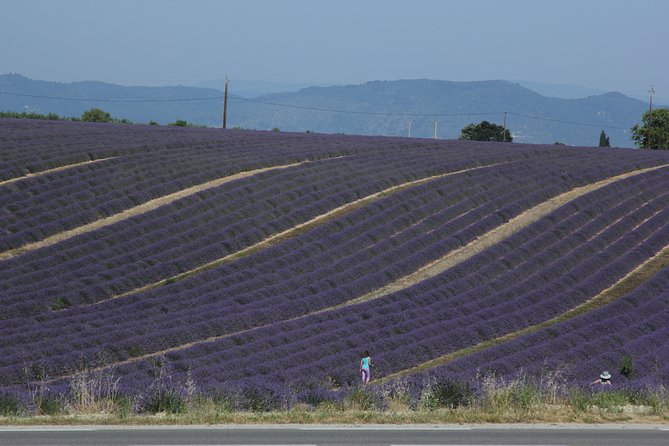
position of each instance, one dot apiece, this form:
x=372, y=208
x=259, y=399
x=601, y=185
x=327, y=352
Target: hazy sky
x=608, y=44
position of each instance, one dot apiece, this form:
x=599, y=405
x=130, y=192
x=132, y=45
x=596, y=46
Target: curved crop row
x=164, y=334
x=199, y=229
x=101, y=314
x=332, y=337
x=39, y=208
x=293, y=309
x=34, y=146
x=636, y=326
x=56, y=258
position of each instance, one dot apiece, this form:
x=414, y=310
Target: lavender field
x=236, y=259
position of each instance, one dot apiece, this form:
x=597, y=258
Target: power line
x=426, y=114
x=357, y=112
x=302, y=107
x=60, y=98
x=540, y=118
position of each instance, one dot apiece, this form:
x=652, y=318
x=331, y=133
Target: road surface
x=248, y=435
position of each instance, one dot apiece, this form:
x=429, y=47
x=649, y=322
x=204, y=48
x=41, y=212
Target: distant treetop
x=486, y=131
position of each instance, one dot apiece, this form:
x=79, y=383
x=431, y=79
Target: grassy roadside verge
x=441, y=403
x=545, y=414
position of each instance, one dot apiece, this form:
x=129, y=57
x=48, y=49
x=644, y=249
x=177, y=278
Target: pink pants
x=365, y=376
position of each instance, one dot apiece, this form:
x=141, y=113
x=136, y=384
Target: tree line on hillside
x=92, y=115
x=653, y=133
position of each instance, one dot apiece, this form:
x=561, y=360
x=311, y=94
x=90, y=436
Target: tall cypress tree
x=604, y=140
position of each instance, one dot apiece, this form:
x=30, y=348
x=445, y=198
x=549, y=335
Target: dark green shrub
x=627, y=366
x=261, y=399
x=164, y=401
x=60, y=303
x=49, y=405
x=448, y=394
x=363, y=399
x=9, y=405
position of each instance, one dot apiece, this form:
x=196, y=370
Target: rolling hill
x=372, y=108
x=236, y=259
x=381, y=108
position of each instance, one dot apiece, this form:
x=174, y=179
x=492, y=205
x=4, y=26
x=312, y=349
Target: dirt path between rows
x=137, y=210
x=55, y=169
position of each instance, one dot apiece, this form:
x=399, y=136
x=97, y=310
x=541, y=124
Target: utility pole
x=650, y=116
x=225, y=104
x=504, y=134
x=408, y=125
x=435, y=129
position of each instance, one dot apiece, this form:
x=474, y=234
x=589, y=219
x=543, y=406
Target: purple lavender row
x=178, y=301
x=101, y=316
x=33, y=146
x=188, y=322
x=61, y=251
x=277, y=359
x=57, y=142
x=229, y=218
x=421, y=337
x=337, y=332
x=637, y=325
x=60, y=256
x=43, y=206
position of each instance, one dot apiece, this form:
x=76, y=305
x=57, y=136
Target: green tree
x=179, y=123
x=96, y=115
x=654, y=132
x=485, y=131
x=604, y=140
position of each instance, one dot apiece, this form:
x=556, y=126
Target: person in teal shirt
x=365, y=364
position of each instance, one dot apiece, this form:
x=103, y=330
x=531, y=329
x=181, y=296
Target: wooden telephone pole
x=225, y=104
x=504, y=134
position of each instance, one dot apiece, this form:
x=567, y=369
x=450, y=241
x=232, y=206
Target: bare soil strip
x=55, y=169
x=137, y=210
x=299, y=229
x=625, y=285
x=633, y=279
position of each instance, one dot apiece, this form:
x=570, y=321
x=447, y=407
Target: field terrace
x=239, y=257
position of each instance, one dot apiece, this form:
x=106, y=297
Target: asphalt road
x=521, y=435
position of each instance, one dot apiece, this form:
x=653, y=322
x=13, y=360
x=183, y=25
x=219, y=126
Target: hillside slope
x=240, y=258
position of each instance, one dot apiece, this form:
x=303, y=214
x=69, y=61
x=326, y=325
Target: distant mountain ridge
x=454, y=105
x=163, y=104
x=372, y=108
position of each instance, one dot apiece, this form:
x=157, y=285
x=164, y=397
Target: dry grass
x=93, y=400
x=536, y=414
